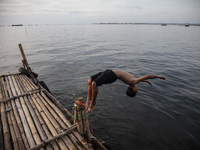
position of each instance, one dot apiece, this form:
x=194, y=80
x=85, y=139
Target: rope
x=80, y=116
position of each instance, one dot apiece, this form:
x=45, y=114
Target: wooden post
x=80, y=116
x=86, y=125
x=24, y=60
x=77, y=115
x=25, y=63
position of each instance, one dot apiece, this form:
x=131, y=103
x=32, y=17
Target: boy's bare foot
x=91, y=107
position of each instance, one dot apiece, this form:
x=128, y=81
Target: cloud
x=77, y=12
x=89, y=11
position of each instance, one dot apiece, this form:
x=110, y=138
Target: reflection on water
x=164, y=116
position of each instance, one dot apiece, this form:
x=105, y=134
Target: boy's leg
x=89, y=92
x=94, y=96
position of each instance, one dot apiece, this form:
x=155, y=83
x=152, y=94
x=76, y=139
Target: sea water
x=163, y=116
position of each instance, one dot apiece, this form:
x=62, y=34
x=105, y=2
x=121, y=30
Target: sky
x=98, y=11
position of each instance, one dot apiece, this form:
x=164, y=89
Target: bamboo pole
x=41, y=112
x=72, y=137
x=34, y=116
x=54, y=122
x=67, y=113
x=58, y=111
x=6, y=131
x=86, y=125
x=78, y=116
x=18, y=96
x=31, y=85
x=50, y=112
x=8, y=109
x=22, y=116
x=48, y=134
x=48, y=123
x=59, y=105
x=67, y=131
x=97, y=143
x=56, y=102
x=13, y=136
x=24, y=61
x=53, y=143
x=17, y=139
x=8, y=75
x=58, y=119
x=82, y=118
x=79, y=119
x=17, y=132
x=27, y=114
x=16, y=120
x=1, y=131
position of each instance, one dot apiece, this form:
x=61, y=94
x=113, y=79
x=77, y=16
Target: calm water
x=164, y=116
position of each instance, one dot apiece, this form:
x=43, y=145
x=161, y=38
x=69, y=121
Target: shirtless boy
x=110, y=76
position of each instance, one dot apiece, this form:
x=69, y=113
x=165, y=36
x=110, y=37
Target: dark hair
x=130, y=92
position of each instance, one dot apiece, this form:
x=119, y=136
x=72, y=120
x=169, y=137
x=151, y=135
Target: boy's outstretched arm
x=144, y=78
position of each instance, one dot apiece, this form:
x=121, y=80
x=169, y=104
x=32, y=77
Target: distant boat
x=17, y=25
x=187, y=25
x=163, y=24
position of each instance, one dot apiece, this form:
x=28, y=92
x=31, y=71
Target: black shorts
x=108, y=76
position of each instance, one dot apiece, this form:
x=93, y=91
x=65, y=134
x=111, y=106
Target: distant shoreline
x=162, y=24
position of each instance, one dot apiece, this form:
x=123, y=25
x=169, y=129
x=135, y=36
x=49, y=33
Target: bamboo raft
x=31, y=118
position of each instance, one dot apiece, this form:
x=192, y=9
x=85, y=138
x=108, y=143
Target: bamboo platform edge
x=32, y=118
